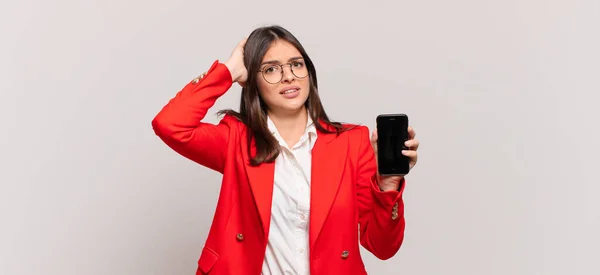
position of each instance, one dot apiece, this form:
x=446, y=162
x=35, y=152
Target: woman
x=296, y=186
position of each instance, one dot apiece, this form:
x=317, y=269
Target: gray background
x=502, y=95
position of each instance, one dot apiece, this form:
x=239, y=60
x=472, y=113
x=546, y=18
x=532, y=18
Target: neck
x=290, y=126
x=289, y=120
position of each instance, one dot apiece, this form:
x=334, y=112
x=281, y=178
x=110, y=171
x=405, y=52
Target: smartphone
x=392, y=132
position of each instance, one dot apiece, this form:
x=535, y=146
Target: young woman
x=298, y=191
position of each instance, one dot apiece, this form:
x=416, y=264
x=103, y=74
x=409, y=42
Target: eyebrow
x=275, y=61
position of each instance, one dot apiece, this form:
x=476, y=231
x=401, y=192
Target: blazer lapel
x=328, y=163
x=261, y=179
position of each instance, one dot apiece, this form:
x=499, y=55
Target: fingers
x=413, y=144
x=411, y=132
x=374, y=140
x=410, y=153
x=243, y=42
x=374, y=136
x=413, y=157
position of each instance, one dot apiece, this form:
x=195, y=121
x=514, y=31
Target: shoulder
x=357, y=134
x=232, y=121
x=231, y=118
x=344, y=129
x=356, y=130
x=359, y=139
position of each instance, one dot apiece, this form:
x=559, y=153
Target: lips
x=289, y=90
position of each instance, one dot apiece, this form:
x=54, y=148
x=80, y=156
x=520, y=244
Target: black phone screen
x=392, y=132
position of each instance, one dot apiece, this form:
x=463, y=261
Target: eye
x=298, y=64
x=271, y=69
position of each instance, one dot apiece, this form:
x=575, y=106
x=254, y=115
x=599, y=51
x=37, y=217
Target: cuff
x=217, y=68
x=390, y=201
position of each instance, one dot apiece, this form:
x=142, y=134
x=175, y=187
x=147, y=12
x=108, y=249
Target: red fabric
x=344, y=193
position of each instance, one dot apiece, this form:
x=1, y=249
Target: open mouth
x=289, y=91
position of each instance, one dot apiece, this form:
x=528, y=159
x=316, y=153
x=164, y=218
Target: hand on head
x=235, y=64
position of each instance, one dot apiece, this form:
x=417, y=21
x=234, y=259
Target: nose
x=288, y=76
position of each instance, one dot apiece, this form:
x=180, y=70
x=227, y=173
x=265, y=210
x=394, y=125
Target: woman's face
x=281, y=89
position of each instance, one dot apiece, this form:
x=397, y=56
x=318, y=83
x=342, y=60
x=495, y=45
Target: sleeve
x=179, y=123
x=380, y=214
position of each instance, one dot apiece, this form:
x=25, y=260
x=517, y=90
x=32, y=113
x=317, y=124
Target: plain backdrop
x=502, y=95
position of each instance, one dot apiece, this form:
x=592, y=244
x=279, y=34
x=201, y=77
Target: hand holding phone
x=392, y=133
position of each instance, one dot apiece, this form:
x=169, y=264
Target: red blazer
x=344, y=193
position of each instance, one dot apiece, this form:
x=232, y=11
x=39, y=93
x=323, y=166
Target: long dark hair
x=253, y=110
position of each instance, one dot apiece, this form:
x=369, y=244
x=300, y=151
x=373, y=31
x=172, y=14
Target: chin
x=293, y=108
x=293, y=105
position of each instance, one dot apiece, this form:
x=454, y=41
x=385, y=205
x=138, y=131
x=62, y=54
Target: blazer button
x=395, y=211
x=345, y=254
x=197, y=79
x=240, y=237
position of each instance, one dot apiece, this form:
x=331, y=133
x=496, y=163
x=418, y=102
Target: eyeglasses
x=273, y=74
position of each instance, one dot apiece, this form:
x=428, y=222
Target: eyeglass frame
x=291, y=69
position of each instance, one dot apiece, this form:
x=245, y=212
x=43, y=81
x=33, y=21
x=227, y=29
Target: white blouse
x=287, y=247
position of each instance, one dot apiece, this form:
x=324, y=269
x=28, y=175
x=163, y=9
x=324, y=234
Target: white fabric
x=287, y=247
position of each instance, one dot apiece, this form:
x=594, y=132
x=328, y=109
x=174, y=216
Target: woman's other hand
x=387, y=183
x=235, y=64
